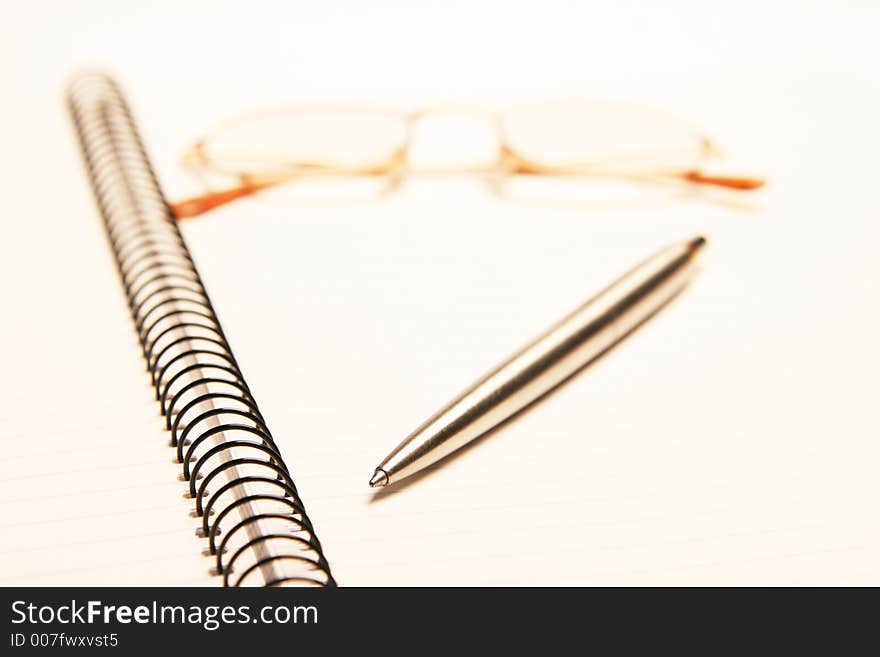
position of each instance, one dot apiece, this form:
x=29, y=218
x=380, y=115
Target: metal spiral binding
x=249, y=509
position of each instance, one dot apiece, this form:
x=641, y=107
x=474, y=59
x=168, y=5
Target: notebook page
x=727, y=441
x=88, y=491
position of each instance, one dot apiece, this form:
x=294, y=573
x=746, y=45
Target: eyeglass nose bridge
x=446, y=139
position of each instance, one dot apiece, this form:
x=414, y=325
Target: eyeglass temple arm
x=195, y=158
x=745, y=183
x=516, y=164
x=196, y=205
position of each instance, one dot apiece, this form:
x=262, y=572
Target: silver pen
x=546, y=362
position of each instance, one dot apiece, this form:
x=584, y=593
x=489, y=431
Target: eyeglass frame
x=397, y=166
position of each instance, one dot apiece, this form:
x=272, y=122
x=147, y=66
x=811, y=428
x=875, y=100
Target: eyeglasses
x=628, y=149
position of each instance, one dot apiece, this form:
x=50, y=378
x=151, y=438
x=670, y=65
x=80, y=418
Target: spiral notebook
x=344, y=326
x=245, y=500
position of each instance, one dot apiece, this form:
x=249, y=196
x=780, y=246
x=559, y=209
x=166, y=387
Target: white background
x=734, y=440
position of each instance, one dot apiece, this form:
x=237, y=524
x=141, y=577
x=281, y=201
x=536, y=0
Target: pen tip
x=696, y=243
x=379, y=479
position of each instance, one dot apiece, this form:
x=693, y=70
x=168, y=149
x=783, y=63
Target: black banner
x=262, y=621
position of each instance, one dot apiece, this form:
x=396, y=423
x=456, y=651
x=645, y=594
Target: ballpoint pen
x=546, y=362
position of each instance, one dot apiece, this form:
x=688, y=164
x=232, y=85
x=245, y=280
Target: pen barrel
x=547, y=361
